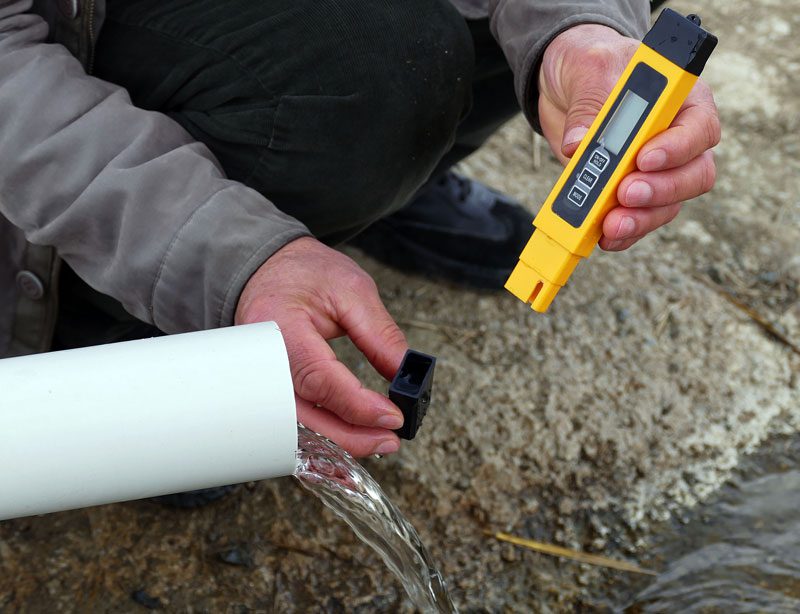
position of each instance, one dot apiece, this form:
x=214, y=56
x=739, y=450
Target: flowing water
x=740, y=552
x=352, y=494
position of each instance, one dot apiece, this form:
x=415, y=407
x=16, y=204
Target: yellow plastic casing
x=556, y=247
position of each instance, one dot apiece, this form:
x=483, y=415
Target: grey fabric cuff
x=213, y=255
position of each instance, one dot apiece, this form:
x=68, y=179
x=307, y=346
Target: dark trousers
x=336, y=110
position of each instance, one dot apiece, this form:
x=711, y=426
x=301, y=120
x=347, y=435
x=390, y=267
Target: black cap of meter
x=681, y=40
x=411, y=391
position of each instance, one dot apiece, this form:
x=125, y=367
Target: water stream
x=739, y=552
x=351, y=493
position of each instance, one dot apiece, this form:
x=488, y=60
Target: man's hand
x=315, y=293
x=578, y=72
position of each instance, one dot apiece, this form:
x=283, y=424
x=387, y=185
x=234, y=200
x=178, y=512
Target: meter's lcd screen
x=625, y=118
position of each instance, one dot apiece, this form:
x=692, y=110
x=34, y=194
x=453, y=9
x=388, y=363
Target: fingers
x=358, y=440
x=695, y=129
x=366, y=321
x=321, y=379
x=660, y=188
x=624, y=226
x=675, y=166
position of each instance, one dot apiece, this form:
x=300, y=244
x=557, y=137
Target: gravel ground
x=634, y=397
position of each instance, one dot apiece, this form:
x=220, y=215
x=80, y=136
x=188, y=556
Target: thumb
x=572, y=139
x=578, y=71
x=581, y=112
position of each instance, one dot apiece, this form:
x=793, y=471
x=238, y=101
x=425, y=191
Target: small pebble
x=236, y=556
x=768, y=277
x=143, y=598
x=509, y=555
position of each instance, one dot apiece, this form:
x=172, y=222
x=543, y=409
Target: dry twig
x=575, y=555
x=759, y=319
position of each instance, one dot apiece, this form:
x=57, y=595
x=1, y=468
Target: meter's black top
x=681, y=40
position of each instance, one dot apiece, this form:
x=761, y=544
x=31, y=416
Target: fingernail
x=390, y=421
x=654, y=160
x=387, y=447
x=639, y=193
x=574, y=135
x=626, y=227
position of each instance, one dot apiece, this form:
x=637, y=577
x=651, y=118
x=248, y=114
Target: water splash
x=351, y=493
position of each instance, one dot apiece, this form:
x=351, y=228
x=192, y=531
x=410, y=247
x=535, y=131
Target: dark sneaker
x=195, y=498
x=456, y=229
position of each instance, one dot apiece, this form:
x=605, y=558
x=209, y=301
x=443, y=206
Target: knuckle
x=599, y=59
x=672, y=189
x=361, y=283
x=590, y=101
x=391, y=334
x=311, y=382
x=704, y=87
x=713, y=130
x=317, y=382
x=709, y=176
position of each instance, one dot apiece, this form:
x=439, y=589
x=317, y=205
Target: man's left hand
x=579, y=69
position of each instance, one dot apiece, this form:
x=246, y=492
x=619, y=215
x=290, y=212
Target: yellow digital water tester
x=643, y=103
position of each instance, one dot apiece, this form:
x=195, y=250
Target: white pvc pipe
x=144, y=418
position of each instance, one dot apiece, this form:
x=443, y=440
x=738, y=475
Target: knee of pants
x=339, y=162
x=337, y=110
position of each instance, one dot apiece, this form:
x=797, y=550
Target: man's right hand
x=315, y=293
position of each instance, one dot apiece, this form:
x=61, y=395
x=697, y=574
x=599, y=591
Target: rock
x=238, y=556
x=146, y=600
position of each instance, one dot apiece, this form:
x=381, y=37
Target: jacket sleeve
x=524, y=28
x=137, y=208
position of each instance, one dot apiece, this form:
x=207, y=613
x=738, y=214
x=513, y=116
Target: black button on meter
x=588, y=178
x=599, y=160
x=577, y=196
x=411, y=391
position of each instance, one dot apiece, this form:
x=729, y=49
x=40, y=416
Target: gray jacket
x=137, y=208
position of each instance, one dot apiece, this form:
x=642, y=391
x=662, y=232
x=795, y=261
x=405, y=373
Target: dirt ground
x=633, y=397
